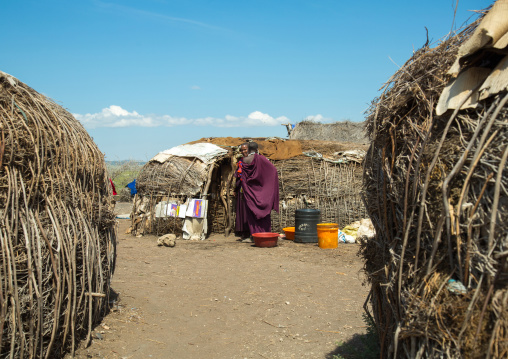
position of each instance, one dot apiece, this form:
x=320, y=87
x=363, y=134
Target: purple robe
x=241, y=225
x=260, y=184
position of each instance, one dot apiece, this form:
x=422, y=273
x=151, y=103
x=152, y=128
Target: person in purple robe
x=260, y=185
x=241, y=226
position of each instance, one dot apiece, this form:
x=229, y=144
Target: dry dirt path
x=220, y=298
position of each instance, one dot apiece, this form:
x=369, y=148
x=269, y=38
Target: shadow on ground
x=360, y=346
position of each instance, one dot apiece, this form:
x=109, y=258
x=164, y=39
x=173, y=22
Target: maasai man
x=260, y=185
x=241, y=226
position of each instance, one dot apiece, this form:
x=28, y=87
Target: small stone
x=167, y=240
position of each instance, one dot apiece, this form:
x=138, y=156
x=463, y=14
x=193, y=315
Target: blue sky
x=144, y=76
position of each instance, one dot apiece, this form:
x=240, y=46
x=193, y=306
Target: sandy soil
x=220, y=298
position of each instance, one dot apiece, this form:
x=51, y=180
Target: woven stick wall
x=436, y=191
x=221, y=213
x=57, y=229
x=179, y=176
x=333, y=188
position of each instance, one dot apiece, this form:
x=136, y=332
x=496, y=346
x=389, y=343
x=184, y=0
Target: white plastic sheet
x=206, y=152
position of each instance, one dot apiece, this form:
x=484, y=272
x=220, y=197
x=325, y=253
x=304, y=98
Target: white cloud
x=116, y=116
x=259, y=118
x=318, y=118
x=195, y=87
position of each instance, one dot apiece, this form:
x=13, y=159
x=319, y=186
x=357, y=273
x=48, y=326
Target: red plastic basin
x=265, y=239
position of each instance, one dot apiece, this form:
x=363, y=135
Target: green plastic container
x=306, y=221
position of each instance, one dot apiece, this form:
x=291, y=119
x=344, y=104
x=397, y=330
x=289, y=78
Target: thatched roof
x=276, y=149
x=346, y=131
x=56, y=226
x=273, y=148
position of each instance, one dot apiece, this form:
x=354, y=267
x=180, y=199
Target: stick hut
x=177, y=178
x=56, y=227
x=312, y=174
x=436, y=190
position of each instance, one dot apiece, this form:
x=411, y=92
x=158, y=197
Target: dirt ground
x=220, y=298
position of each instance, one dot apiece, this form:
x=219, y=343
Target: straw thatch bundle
x=56, y=226
x=436, y=191
x=345, y=131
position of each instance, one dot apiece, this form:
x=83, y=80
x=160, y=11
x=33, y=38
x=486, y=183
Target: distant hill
x=123, y=162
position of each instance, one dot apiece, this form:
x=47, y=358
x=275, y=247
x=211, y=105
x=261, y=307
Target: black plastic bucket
x=306, y=221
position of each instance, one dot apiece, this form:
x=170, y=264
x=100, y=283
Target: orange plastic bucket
x=328, y=235
x=289, y=232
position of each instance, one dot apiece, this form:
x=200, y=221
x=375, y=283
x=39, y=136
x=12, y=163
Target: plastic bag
x=366, y=229
x=350, y=239
x=350, y=230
